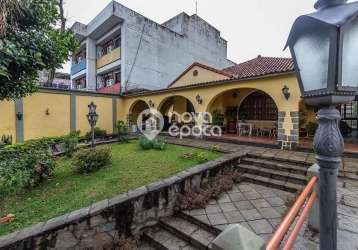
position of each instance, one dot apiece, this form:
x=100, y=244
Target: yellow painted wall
x=271, y=85
x=109, y=58
x=204, y=75
x=104, y=110
x=7, y=119
x=38, y=124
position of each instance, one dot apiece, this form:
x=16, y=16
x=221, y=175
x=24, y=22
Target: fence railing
x=308, y=194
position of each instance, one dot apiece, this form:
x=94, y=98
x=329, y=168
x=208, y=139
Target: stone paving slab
x=244, y=197
x=254, y=206
x=350, y=164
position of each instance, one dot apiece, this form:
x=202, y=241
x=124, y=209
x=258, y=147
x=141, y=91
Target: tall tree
x=30, y=41
x=52, y=72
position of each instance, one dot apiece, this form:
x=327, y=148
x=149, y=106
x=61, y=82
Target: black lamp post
x=92, y=118
x=324, y=47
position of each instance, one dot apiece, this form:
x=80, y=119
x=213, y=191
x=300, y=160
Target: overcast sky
x=251, y=27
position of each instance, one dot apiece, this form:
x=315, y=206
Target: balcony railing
x=114, y=55
x=78, y=67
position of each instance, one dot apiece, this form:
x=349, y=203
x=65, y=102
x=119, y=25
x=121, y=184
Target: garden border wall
x=101, y=224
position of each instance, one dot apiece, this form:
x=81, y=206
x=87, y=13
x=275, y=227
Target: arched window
x=258, y=106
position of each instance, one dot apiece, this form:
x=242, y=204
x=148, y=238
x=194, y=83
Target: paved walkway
x=350, y=164
x=258, y=208
x=261, y=208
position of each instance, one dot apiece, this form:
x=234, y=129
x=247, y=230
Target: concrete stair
x=288, y=175
x=178, y=233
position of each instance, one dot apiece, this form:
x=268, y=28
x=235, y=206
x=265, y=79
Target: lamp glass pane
x=312, y=55
x=349, y=55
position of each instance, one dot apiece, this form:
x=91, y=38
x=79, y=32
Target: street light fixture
x=324, y=47
x=92, y=118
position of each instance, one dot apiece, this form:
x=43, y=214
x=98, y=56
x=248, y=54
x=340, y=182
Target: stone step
x=289, y=165
x=274, y=174
x=188, y=231
x=161, y=239
x=277, y=158
x=146, y=246
x=269, y=182
x=275, y=165
x=186, y=216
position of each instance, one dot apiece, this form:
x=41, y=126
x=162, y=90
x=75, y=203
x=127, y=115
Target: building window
x=79, y=57
x=110, y=45
x=80, y=83
x=195, y=73
x=258, y=106
x=109, y=79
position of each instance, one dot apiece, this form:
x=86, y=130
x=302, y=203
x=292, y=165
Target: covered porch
x=247, y=115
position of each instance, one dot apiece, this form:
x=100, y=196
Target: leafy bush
x=159, y=143
x=146, y=144
x=215, y=148
x=70, y=143
x=200, y=157
x=91, y=159
x=98, y=134
x=25, y=165
x=122, y=131
x=311, y=128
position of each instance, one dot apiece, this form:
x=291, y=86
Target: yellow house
x=255, y=101
x=248, y=96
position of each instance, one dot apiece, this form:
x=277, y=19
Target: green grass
x=67, y=191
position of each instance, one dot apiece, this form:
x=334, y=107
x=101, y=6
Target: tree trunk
x=52, y=72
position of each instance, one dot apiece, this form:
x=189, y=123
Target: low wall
x=100, y=225
x=54, y=112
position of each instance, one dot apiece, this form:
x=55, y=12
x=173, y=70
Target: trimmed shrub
x=25, y=165
x=98, y=134
x=91, y=159
x=159, y=143
x=146, y=144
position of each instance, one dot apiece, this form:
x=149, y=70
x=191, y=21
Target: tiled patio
x=256, y=207
x=261, y=208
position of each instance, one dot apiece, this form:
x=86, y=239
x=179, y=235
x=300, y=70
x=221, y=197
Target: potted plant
x=231, y=114
x=218, y=118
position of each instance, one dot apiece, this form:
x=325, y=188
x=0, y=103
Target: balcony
x=78, y=67
x=114, y=55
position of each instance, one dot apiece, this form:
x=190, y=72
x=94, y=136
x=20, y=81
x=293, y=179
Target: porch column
x=288, y=129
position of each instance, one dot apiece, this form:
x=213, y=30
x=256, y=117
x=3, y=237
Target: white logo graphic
x=150, y=123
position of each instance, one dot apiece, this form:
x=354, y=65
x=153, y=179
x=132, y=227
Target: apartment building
x=121, y=47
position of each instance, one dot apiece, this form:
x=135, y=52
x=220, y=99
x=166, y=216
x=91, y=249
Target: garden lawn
x=66, y=191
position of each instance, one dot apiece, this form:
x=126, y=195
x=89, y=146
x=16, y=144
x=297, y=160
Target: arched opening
x=134, y=111
x=245, y=114
x=173, y=105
